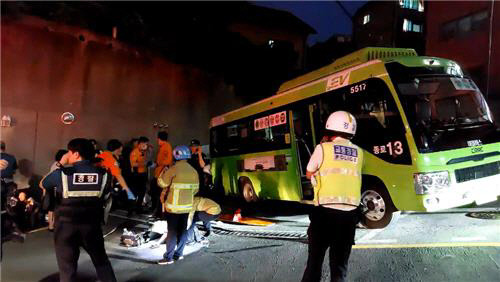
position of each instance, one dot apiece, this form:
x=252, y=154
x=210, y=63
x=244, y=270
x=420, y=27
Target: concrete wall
x=261, y=36
x=114, y=90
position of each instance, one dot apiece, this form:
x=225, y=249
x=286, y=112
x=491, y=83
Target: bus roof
x=354, y=59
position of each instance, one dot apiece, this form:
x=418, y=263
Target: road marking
x=112, y=230
x=427, y=245
x=39, y=229
x=455, y=210
x=465, y=239
x=380, y=241
x=494, y=261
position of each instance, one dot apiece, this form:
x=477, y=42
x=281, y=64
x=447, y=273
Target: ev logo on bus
x=337, y=80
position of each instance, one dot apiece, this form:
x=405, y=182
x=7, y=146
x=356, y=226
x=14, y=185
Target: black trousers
x=69, y=237
x=206, y=218
x=177, y=234
x=334, y=229
x=140, y=183
x=155, y=197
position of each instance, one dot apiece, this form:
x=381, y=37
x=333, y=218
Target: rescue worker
x=204, y=210
x=180, y=184
x=79, y=211
x=96, y=146
x=164, y=160
x=138, y=162
x=125, y=165
x=335, y=171
x=110, y=161
x=198, y=161
x=10, y=167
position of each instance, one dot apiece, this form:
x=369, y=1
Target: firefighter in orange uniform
x=138, y=162
x=110, y=161
x=164, y=160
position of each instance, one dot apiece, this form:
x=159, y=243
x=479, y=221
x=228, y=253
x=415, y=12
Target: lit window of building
x=417, y=28
x=412, y=4
x=409, y=26
x=420, y=5
x=366, y=19
x=270, y=43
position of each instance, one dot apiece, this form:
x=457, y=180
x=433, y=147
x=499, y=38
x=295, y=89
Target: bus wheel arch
x=246, y=189
x=378, y=207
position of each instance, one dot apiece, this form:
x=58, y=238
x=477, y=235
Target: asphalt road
x=447, y=246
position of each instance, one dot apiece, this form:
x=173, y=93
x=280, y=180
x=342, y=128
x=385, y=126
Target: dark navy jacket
x=9, y=171
x=80, y=190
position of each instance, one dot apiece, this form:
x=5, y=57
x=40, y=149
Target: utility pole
x=489, y=49
x=345, y=11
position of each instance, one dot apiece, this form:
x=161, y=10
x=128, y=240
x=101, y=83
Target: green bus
x=428, y=136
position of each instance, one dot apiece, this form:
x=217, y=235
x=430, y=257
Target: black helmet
x=195, y=142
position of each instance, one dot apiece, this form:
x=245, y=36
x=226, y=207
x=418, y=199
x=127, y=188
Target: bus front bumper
x=480, y=191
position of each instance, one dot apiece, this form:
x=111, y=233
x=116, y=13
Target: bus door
x=305, y=141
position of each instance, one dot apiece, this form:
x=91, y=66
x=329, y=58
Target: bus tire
x=377, y=206
x=247, y=191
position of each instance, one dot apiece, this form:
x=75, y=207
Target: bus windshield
x=444, y=111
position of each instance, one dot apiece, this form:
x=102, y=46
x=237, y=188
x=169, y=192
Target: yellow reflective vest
x=339, y=176
x=182, y=183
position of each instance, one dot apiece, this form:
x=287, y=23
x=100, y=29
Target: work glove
x=130, y=195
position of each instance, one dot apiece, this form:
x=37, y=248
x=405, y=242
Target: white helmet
x=341, y=121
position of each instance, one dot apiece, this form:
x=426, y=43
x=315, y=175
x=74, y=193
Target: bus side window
x=380, y=128
x=327, y=104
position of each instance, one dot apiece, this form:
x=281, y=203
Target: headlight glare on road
x=431, y=182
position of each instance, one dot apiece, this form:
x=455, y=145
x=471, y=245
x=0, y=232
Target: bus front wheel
x=377, y=207
x=247, y=190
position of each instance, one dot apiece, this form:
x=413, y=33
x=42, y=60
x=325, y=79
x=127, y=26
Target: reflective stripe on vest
x=73, y=194
x=339, y=176
x=187, y=203
x=338, y=170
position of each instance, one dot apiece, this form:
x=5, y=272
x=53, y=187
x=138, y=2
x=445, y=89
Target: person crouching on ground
x=204, y=210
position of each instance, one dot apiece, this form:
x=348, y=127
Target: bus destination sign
x=270, y=121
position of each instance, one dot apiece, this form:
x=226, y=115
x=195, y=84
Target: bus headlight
x=431, y=182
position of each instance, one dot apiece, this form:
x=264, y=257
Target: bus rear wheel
x=378, y=208
x=247, y=190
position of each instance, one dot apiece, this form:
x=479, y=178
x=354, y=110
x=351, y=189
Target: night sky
x=326, y=17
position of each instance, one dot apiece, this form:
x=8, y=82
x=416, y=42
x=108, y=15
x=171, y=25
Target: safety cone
x=237, y=215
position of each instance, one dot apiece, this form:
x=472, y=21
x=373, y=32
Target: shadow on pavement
x=80, y=278
x=129, y=258
x=247, y=249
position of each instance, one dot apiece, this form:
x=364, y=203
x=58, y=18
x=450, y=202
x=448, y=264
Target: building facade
x=390, y=24
x=469, y=33
x=272, y=28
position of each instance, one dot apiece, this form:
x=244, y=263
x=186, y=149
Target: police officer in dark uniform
x=79, y=211
x=198, y=161
x=8, y=168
